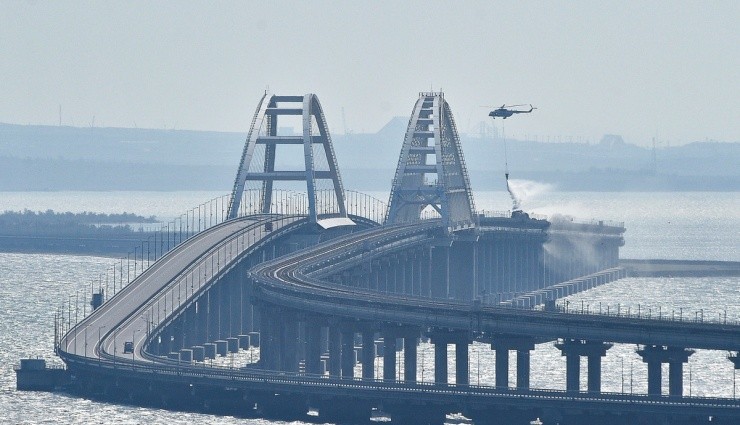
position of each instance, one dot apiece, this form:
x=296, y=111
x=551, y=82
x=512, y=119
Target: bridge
x=329, y=284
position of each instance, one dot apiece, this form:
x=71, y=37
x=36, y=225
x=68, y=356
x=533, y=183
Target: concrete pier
x=655, y=356
x=34, y=375
x=502, y=344
x=573, y=350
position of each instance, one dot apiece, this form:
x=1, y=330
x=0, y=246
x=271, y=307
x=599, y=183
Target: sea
x=662, y=225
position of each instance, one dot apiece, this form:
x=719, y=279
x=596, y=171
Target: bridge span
x=322, y=289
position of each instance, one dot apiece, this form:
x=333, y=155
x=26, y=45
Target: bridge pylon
x=431, y=170
x=320, y=171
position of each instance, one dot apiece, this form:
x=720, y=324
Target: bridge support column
x=408, y=279
x=348, y=353
x=440, y=339
x=505, y=343
x=440, y=271
x=655, y=356
x=502, y=367
x=165, y=341
x=224, y=313
x=199, y=325
x=269, y=340
x=212, y=321
x=189, y=334
x=572, y=372
x=462, y=363
x=440, y=362
x=245, y=305
x=389, y=355
x=313, y=347
x=573, y=349
x=368, y=354
x=675, y=378
x=394, y=278
x=425, y=266
x=289, y=343
x=335, y=351
x=522, y=369
x=235, y=304
x=462, y=270
x=177, y=334
x=409, y=357
x=594, y=372
x=735, y=359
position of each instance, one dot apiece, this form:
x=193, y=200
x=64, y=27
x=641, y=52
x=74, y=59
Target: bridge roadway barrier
x=293, y=285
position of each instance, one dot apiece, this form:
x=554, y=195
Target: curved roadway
x=151, y=299
x=297, y=281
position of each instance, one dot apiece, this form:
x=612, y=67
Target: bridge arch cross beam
x=258, y=161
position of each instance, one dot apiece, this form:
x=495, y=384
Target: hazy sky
x=641, y=69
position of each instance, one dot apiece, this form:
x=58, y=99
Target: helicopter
x=505, y=112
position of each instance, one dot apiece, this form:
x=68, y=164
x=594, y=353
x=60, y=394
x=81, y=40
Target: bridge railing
x=645, y=313
x=296, y=203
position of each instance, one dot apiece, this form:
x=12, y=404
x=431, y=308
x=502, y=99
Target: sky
x=641, y=69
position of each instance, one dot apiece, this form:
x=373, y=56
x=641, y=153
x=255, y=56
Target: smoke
x=525, y=192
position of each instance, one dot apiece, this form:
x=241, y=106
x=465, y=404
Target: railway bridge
x=335, y=288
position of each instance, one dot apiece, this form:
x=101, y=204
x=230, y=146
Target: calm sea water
x=660, y=225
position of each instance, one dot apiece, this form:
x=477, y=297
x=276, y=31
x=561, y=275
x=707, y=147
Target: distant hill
x=72, y=158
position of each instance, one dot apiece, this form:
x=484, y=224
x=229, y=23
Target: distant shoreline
x=126, y=159
x=74, y=233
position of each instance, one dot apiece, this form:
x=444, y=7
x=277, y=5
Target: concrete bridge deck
x=295, y=281
x=155, y=296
